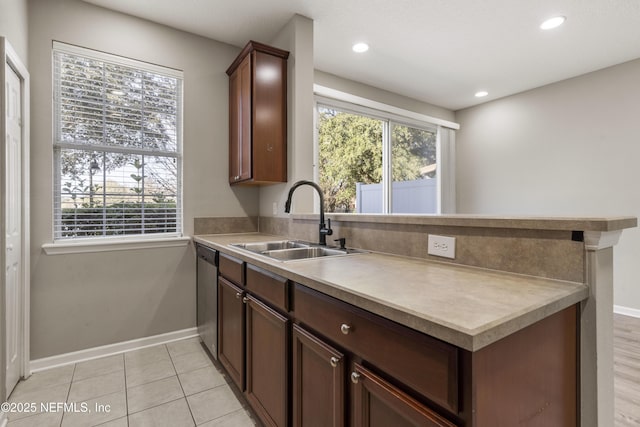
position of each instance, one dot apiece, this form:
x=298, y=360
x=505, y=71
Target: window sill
x=108, y=245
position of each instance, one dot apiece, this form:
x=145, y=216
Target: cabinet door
x=377, y=403
x=240, y=122
x=267, y=362
x=318, y=382
x=269, y=104
x=231, y=330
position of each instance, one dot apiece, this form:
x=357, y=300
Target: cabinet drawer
x=425, y=364
x=231, y=268
x=270, y=287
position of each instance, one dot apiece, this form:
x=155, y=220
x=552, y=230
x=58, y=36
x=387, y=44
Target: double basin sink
x=289, y=250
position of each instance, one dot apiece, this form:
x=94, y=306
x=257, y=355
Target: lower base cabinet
x=306, y=359
x=267, y=376
x=231, y=330
x=319, y=395
x=376, y=403
x=318, y=382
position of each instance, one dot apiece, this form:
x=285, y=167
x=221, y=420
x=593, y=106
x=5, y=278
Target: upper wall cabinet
x=258, y=115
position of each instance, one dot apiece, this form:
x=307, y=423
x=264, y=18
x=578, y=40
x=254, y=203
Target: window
x=117, y=146
x=372, y=163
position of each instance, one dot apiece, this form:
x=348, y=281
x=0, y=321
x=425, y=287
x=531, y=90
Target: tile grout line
x=181, y=387
x=69, y=391
x=126, y=393
x=74, y=381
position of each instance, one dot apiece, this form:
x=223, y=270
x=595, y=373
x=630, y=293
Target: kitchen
x=81, y=300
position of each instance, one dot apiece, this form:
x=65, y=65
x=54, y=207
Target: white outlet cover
x=442, y=246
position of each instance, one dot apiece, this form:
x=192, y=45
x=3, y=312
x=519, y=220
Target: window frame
x=127, y=241
x=390, y=115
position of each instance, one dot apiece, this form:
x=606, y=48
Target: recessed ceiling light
x=360, y=47
x=554, y=22
x=117, y=92
x=481, y=94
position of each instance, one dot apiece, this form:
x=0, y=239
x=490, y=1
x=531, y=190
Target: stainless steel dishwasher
x=207, y=295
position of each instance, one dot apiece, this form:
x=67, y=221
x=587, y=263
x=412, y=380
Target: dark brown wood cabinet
x=306, y=359
x=267, y=376
x=232, y=269
x=258, y=115
x=231, y=330
x=318, y=382
x=272, y=288
x=377, y=403
x=425, y=366
x=383, y=343
x=254, y=338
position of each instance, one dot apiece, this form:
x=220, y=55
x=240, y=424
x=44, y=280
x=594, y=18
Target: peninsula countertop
x=465, y=306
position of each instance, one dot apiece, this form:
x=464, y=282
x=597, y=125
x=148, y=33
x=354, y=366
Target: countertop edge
x=485, y=221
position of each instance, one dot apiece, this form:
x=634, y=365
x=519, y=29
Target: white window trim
x=107, y=244
x=117, y=59
x=400, y=114
x=132, y=242
x=445, y=134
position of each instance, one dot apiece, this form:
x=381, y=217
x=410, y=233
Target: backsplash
x=225, y=225
x=535, y=252
x=543, y=253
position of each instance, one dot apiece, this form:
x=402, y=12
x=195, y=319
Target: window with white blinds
x=117, y=146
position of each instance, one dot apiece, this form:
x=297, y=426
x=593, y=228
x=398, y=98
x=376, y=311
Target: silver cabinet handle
x=245, y=300
x=334, y=361
x=344, y=328
x=355, y=377
x=238, y=295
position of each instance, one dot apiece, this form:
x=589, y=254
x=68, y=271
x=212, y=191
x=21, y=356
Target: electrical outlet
x=275, y=208
x=441, y=246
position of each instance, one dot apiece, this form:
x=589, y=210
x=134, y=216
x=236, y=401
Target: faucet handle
x=329, y=230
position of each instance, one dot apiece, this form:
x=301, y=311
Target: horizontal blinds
x=117, y=146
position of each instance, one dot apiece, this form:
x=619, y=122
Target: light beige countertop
x=465, y=306
x=488, y=221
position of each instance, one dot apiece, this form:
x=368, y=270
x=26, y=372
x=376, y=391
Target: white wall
x=87, y=300
x=570, y=148
x=13, y=25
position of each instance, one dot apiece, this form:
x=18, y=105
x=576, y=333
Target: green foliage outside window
x=350, y=152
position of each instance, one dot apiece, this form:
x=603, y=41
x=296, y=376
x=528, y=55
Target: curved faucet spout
x=324, y=229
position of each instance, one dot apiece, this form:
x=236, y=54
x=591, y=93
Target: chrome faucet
x=325, y=229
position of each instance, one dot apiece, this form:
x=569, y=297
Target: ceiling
x=437, y=51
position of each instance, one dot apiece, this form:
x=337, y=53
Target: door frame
x=10, y=57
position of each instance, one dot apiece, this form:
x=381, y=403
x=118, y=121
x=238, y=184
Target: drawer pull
x=245, y=300
x=238, y=295
x=334, y=362
x=355, y=377
x=344, y=328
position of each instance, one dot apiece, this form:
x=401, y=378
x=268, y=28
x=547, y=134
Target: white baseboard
x=108, y=350
x=627, y=311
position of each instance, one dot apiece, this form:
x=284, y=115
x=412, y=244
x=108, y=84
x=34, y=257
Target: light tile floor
x=174, y=385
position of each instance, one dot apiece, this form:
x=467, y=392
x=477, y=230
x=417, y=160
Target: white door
x=13, y=224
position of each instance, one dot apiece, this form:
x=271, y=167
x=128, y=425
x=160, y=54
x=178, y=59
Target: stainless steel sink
x=260, y=247
x=303, y=253
x=289, y=250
